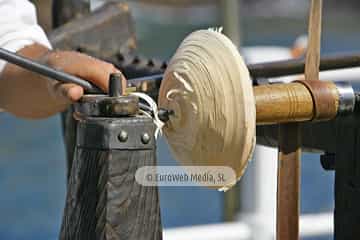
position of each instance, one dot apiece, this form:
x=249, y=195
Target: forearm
x=26, y=94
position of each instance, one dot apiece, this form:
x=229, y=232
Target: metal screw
x=145, y=138
x=123, y=136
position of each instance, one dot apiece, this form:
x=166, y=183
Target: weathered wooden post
x=82, y=33
x=103, y=200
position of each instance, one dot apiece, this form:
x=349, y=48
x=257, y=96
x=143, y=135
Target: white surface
x=18, y=26
x=95, y=4
x=230, y=231
x=348, y=75
x=310, y=226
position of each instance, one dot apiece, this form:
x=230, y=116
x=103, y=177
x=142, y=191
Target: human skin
x=29, y=95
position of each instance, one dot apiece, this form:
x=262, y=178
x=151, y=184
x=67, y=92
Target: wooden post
x=104, y=202
x=82, y=33
x=230, y=13
x=288, y=193
x=288, y=197
x=231, y=20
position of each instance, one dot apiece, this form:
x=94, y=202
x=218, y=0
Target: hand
x=81, y=65
x=30, y=95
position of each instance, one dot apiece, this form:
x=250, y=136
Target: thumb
x=67, y=93
x=71, y=91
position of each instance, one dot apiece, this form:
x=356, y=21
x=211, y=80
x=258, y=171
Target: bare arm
x=29, y=95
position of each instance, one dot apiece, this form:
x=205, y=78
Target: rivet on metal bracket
x=145, y=138
x=123, y=136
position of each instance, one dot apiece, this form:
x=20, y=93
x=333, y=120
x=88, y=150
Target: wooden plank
x=289, y=178
x=288, y=193
x=312, y=64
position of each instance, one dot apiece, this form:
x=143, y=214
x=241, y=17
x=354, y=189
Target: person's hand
x=81, y=65
x=30, y=95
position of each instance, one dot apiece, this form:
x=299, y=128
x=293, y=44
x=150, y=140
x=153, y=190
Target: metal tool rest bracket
x=103, y=200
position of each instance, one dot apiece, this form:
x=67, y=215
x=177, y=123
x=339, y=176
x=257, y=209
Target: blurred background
x=32, y=155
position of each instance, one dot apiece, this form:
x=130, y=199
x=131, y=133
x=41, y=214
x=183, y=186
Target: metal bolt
x=123, y=136
x=115, y=84
x=145, y=138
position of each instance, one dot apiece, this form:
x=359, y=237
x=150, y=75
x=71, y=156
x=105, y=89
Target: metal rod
x=44, y=70
x=297, y=66
x=260, y=70
x=156, y=77
x=286, y=67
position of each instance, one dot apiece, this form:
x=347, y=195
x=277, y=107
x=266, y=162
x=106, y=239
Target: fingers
x=65, y=94
x=83, y=66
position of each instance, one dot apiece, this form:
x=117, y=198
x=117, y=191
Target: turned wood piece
x=212, y=98
x=283, y=103
x=296, y=102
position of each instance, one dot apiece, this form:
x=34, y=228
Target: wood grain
x=279, y=103
x=312, y=64
x=104, y=202
x=288, y=193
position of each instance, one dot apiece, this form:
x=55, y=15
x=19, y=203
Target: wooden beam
x=288, y=193
x=312, y=64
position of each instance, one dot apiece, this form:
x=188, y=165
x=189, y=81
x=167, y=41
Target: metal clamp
x=346, y=98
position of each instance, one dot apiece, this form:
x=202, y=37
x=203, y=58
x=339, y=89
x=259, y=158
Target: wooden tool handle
x=296, y=102
x=279, y=103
